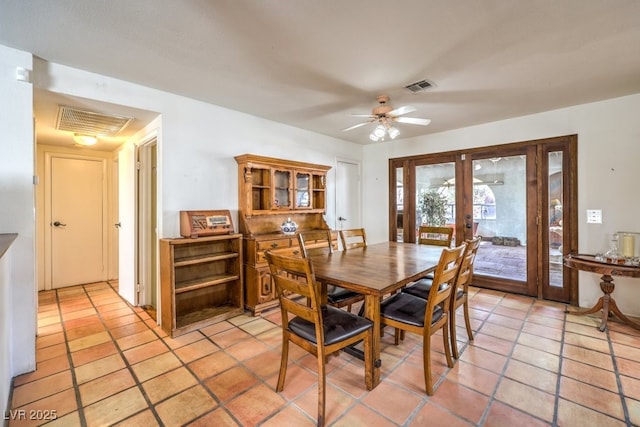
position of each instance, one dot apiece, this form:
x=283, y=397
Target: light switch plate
x=594, y=216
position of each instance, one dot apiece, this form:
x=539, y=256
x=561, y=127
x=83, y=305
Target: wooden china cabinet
x=271, y=191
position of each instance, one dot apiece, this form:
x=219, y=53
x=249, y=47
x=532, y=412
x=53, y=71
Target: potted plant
x=433, y=207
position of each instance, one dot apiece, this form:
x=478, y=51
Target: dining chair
x=319, y=329
x=459, y=296
x=321, y=241
x=439, y=236
x=406, y=312
x=353, y=238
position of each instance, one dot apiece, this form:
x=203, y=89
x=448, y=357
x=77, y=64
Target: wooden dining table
x=375, y=271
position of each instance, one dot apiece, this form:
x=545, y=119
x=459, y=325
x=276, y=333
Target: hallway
x=103, y=362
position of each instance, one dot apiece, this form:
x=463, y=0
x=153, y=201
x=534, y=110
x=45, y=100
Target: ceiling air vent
x=420, y=86
x=90, y=122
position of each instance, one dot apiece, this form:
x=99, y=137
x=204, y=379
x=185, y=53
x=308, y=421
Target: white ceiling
x=311, y=64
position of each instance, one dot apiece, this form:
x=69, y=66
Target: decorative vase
x=289, y=227
x=613, y=254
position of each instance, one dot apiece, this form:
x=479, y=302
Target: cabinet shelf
x=199, y=259
x=194, y=319
x=192, y=285
x=200, y=281
x=290, y=189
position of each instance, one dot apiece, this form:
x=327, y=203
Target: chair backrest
x=294, y=275
x=439, y=236
x=315, y=241
x=353, y=238
x=445, y=276
x=466, y=267
x=465, y=272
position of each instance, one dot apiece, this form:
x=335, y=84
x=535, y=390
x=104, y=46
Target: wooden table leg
x=372, y=312
x=607, y=304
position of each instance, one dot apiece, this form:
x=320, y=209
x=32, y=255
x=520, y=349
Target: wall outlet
x=594, y=216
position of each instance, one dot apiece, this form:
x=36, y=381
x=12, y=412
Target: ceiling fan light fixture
x=86, y=140
x=380, y=130
x=393, y=132
x=373, y=137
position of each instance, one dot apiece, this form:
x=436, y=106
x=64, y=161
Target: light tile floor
x=102, y=362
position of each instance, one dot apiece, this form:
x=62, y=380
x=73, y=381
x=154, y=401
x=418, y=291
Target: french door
x=519, y=198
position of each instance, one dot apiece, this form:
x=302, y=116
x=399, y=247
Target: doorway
x=519, y=198
x=348, y=196
x=75, y=209
x=147, y=199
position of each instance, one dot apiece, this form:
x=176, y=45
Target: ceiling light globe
x=393, y=132
x=379, y=131
x=373, y=137
x=86, y=140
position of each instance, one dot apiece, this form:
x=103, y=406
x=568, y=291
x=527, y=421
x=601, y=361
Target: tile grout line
x=76, y=386
x=502, y=376
x=625, y=409
x=128, y=366
x=556, y=400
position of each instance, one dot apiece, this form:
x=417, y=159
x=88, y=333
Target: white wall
x=608, y=174
x=199, y=141
x=17, y=212
x=196, y=153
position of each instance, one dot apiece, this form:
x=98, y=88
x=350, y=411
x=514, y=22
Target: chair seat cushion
x=409, y=309
x=422, y=287
x=337, y=295
x=338, y=325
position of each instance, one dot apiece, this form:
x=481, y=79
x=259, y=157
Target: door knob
x=118, y=224
x=340, y=218
x=59, y=224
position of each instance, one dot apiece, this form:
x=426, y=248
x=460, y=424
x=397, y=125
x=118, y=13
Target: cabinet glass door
x=282, y=189
x=302, y=189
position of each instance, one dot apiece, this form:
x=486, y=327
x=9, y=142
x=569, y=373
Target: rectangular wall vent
x=420, y=86
x=90, y=122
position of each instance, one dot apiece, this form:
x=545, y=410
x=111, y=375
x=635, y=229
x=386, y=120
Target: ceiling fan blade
x=364, y=115
x=401, y=110
x=357, y=126
x=413, y=120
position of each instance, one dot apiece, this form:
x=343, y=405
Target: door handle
x=340, y=218
x=59, y=224
x=118, y=224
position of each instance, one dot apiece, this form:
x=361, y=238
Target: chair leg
x=426, y=363
x=284, y=359
x=466, y=320
x=396, y=336
x=447, y=349
x=452, y=335
x=321, y=387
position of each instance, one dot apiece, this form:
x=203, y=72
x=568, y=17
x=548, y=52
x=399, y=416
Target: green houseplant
x=433, y=207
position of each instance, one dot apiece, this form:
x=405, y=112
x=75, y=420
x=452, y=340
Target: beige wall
x=608, y=174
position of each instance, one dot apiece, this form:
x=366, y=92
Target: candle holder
x=629, y=244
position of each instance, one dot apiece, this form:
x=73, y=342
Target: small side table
x=606, y=303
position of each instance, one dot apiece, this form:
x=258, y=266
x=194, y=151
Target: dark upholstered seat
x=406, y=312
x=319, y=329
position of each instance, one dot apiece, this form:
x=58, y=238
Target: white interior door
x=77, y=221
x=348, y=195
x=127, y=176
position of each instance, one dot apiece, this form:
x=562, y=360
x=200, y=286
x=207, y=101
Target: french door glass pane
x=399, y=204
x=555, y=218
x=433, y=183
x=500, y=216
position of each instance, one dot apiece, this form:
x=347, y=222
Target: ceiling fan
x=385, y=115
